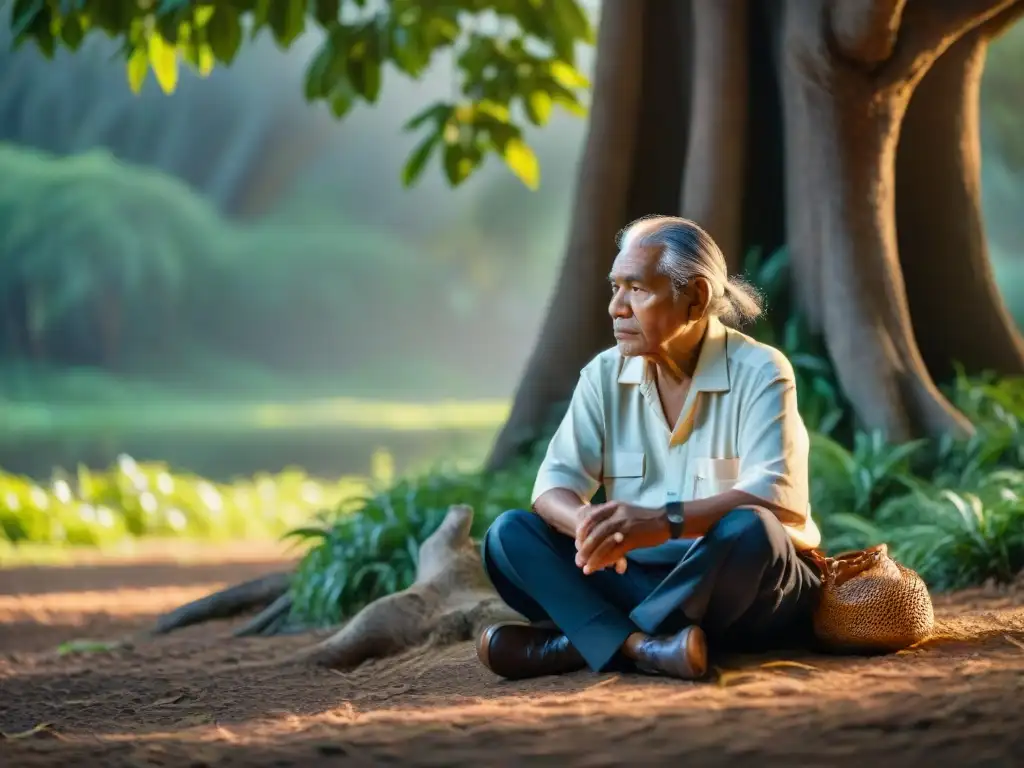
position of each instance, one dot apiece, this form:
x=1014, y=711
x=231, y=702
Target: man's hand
x=582, y=516
x=606, y=532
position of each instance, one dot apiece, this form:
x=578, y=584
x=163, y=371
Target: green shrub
x=141, y=500
x=369, y=547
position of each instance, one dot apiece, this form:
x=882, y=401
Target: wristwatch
x=674, y=513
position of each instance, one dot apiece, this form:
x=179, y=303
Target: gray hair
x=687, y=251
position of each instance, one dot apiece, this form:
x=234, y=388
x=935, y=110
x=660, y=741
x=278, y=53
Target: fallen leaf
x=933, y=639
x=36, y=730
x=729, y=676
x=789, y=664
x=164, y=702
x=608, y=681
x=87, y=646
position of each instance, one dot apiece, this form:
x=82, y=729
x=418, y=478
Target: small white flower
x=165, y=483
x=176, y=519
x=12, y=501
x=62, y=491
x=148, y=502
x=39, y=498
x=104, y=517
x=210, y=498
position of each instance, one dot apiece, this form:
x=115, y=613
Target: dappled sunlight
x=199, y=416
x=78, y=607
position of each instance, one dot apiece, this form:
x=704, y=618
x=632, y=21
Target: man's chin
x=628, y=346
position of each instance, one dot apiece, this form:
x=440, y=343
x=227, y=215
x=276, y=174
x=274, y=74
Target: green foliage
x=514, y=59
x=135, y=500
x=368, y=547
x=87, y=241
x=108, y=265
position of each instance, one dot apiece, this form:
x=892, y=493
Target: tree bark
x=716, y=157
x=958, y=312
x=841, y=138
x=631, y=166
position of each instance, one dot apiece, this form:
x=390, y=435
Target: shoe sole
x=697, y=652
x=483, y=645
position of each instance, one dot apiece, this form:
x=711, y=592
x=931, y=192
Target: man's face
x=645, y=314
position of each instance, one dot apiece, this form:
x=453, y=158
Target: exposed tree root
x=235, y=600
x=269, y=620
x=450, y=601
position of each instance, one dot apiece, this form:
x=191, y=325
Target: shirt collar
x=711, y=373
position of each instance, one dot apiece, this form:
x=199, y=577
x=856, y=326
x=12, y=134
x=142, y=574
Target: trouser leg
x=743, y=583
x=533, y=568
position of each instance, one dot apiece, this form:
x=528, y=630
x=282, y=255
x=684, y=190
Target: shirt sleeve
x=774, y=445
x=574, y=458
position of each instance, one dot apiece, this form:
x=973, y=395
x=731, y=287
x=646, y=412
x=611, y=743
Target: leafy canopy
x=515, y=59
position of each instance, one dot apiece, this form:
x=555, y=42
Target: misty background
x=229, y=279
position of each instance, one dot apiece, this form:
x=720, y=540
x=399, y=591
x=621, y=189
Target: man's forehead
x=634, y=262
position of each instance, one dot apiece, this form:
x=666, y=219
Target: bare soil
x=199, y=698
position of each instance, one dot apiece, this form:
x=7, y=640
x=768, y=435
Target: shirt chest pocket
x=714, y=476
x=624, y=473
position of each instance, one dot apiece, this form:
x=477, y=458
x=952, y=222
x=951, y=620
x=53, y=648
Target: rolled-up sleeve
x=774, y=444
x=574, y=456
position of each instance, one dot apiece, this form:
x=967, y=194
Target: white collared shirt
x=739, y=428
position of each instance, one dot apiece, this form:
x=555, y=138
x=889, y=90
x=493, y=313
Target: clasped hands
x=606, y=532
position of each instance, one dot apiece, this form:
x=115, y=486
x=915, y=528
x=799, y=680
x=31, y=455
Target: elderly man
x=692, y=428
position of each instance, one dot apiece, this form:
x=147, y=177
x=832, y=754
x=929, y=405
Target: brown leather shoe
x=683, y=655
x=516, y=651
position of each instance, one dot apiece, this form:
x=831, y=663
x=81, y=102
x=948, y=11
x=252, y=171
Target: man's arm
x=572, y=468
x=774, y=448
x=560, y=508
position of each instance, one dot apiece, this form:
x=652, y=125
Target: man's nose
x=618, y=306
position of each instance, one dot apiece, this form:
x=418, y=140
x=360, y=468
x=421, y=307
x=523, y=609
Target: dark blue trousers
x=743, y=583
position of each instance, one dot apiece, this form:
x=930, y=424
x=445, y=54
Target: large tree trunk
x=845, y=70
x=716, y=158
x=959, y=315
x=631, y=166
x=842, y=128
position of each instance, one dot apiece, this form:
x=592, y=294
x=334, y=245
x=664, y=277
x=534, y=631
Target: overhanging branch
x=865, y=31
x=999, y=23
x=931, y=26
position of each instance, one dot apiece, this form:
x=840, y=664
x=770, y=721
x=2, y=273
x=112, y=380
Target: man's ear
x=700, y=298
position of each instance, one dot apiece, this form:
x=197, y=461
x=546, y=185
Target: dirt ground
x=196, y=698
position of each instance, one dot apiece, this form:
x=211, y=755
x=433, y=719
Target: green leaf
x=287, y=20
x=327, y=11
x=138, y=67
x=437, y=113
x=568, y=76
x=538, y=107
x=71, y=32
x=86, y=646
x=523, y=162
x=454, y=167
x=225, y=33
x=24, y=16
x=342, y=100
x=164, y=59
x=364, y=65
x=418, y=159
x=572, y=16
